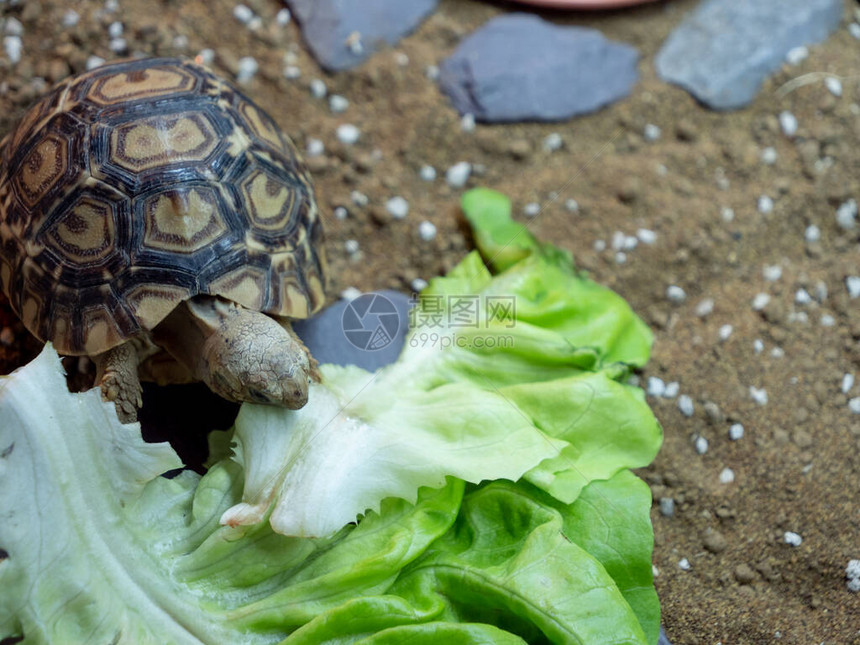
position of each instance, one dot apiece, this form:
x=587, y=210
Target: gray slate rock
x=368, y=331
x=723, y=51
x=327, y=26
x=519, y=67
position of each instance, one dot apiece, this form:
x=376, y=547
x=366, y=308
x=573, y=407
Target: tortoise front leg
x=116, y=374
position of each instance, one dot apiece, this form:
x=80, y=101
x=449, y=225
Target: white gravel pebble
x=833, y=85
x=802, y=297
x=427, y=173
x=854, y=405
x=853, y=585
x=852, y=283
x=620, y=257
x=418, y=284
x=315, y=148
x=827, y=320
x=792, y=539
x=340, y=213
x=117, y=45
x=351, y=246
x=765, y=205
x=115, y=29
x=760, y=301
x=292, y=72
x=705, y=307
x=426, y=231
x=359, y=198
x=656, y=386
x=736, y=431
x=458, y=174
x=701, y=445
x=667, y=506
x=652, y=132
x=618, y=240
x=728, y=214
x=206, y=56
x=431, y=72
x=243, y=13
x=337, y=103
x=812, y=233
x=684, y=564
x=318, y=88
x=348, y=133
x=553, y=142
x=247, y=67
x=820, y=291
x=571, y=205
x=759, y=395
x=13, y=27
x=852, y=571
x=94, y=61
x=397, y=207
x=401, y=59
x=768, y=156
x=758, y=346
x=13, y=45
x=662, y=170
x=797, y=55
x=646, y=236
x=772, y=273
x=599, y=246
x=532, y=209
x=283, y=17
x=846, y=215
x=672, y=390
x=788, y=123
x=725, y=332
x=727, y=476
x=847, y=383
x=777, y=352
x=685, y=405
x=70, y=18
x=854, y=30
x=467, y=123
x=350, y=293
x=675, y=294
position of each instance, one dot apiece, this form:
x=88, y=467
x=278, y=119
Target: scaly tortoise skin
x=141, y=185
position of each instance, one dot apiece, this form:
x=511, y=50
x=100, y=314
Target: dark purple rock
x=519, y=67
x=329, y=25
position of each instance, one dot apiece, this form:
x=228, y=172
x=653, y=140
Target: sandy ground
x=797, y=467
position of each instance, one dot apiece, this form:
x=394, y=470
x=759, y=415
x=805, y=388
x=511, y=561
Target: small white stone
x=13, y=27
x=685, y=405
x=70, y=18
x=812, y=233
x=348, y=133
x=672, y=390
x=772, y=272
x=427, y=173
x=292, y=72
x=760, y=301
x=426, y=231
x=532, y=209
x=727, y=476
x=318, y=88
x=796, y=55
x=684, y=564
x=117, y=45
x=705, y=307
x=243, y=13
x=180, y=41
x=675, y=294
x=654, y=570
x=397, y=207
x=115, y=29
x=401, y=59
x=315, y=148
x=667, y=506
x=777, y=352
x=206, y=56
x=351, y=246
x=854, y=30
x=283, y=17
x=765, y=205
x=418, y=284
x=599, y=246
x=846, y=215
x=337, y=103
x=350, y=293
x=656, y=386
x=725, y=332
x=354, y=44
x=431, y=72
x=467, y=123
x=247, y=67
x=662, y=170
x=852, y=283
x=646, y=236
x=792, y=539
x=111, y=6
x=853, y=585
x=854, y=405
x=571, y=205
x=847, y=383
x=728, y=214
x=340, y=213
x=800, y=317
x=852, y=571
x=458, y=174
x=758, y=346
x=94, y=61
x=827, y=320
x=620, y=257
x=13, y=45
x=701, y=445
x=736, y=431
x=820, y=291
x=802, y=297
x=359, y=198
x=759, y=395
x=652, y=132
x=630, y=242
x=768, y=156
x=553, y=142
x=618, y=240
x=833, y=85
x=788, y=123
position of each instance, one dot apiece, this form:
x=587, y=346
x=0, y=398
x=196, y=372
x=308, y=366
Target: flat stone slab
x=344, y=33
x=724, y=50
x=519, y=67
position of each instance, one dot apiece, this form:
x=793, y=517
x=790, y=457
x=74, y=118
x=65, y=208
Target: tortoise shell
x=140, y=184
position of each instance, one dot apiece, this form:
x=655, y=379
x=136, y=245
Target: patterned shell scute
x=137, y=185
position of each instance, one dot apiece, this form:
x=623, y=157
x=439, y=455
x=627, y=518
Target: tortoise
x=156, y=219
